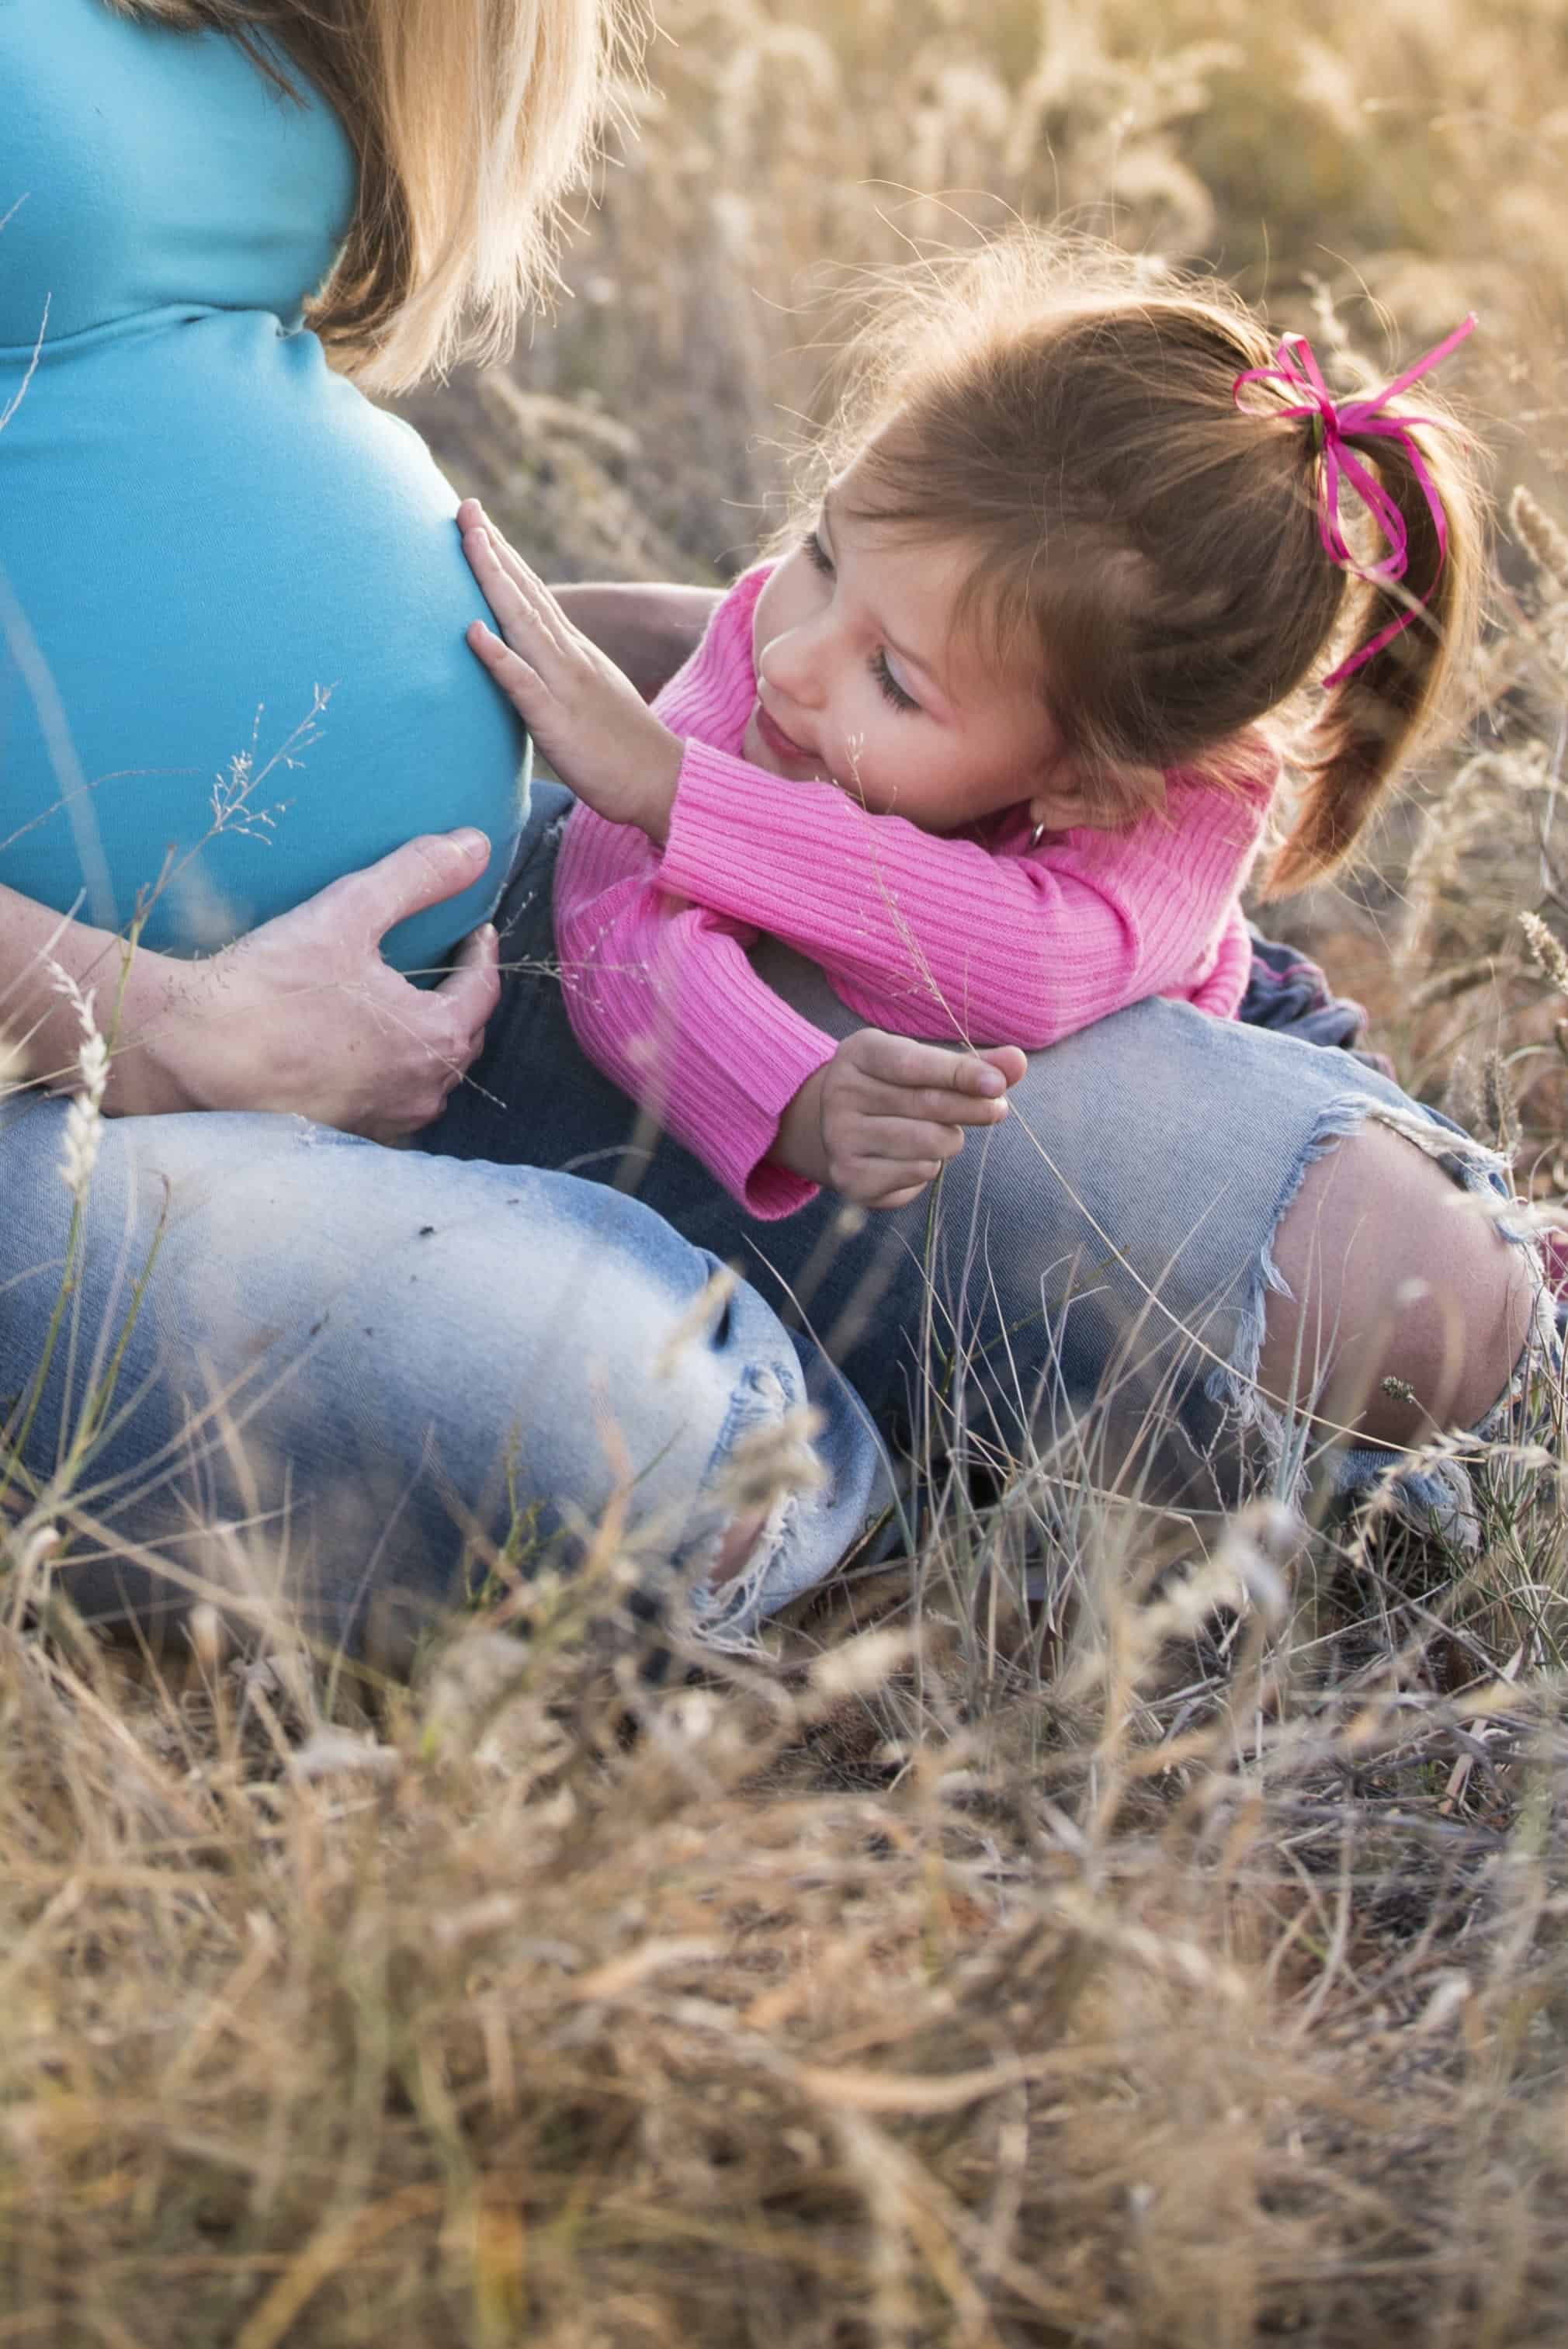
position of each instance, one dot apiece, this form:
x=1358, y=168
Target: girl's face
x=862, y=680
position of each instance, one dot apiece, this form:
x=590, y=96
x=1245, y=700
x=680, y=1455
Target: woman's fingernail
x=993, y=1081
x=468, y=842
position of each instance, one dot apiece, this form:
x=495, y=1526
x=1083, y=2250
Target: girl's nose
x=792, y=664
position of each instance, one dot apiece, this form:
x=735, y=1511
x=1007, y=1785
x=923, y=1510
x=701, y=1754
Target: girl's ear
x=1060, y=802
x=1112, y=799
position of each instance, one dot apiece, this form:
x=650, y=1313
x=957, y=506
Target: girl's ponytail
x=1416, y=611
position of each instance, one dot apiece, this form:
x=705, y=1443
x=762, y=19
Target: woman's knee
x=1407, y=1310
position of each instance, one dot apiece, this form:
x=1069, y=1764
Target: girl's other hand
x=303, y=1015
x=882, y=1117
x=589, y=721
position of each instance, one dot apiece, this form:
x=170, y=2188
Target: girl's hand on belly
x=589, y=720
x=648, y=628
x=303, y=1015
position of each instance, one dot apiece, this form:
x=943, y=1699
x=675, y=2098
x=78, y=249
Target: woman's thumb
x=423, y=871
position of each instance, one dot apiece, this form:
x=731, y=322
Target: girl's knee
x=1407, y=1309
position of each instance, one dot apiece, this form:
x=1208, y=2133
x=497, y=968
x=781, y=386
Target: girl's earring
x=1038, y=835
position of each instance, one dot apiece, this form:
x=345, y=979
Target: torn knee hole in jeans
x=1434, y=1490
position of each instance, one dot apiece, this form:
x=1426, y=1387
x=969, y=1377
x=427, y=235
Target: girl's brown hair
x=1072, y=417
x=471, y=120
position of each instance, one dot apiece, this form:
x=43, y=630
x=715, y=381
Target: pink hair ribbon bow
x=1295, y=370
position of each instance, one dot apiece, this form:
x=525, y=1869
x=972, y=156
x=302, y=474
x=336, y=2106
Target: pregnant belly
x=232, y=656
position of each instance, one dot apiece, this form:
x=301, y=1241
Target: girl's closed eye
x=892, y=690
x=816, y=555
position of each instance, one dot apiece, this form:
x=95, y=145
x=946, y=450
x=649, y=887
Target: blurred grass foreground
x=1182, y=1962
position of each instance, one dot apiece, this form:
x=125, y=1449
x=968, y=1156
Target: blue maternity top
x=201, y=525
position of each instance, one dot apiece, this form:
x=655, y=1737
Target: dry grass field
x=1180, y=1966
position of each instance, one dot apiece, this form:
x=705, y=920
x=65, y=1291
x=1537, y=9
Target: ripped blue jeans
x=291, y=1366
x=1088, y=1280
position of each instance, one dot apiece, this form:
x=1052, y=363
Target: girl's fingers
x=520, y=572
x=1008, y=1060
x=521, y=589
x=516, y=677
x=906, y=1139
x=473, y=521
x=893, y=1183
x=901, y=1061
x=509, y=598
x=504, y=593
x=935, y=1106
x=519, y=577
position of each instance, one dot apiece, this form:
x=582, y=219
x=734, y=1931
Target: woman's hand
x=590, y=722
x=303, y=1015
x=882, y=1117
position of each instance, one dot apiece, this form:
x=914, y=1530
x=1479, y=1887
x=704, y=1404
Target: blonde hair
x=471, y=120
x=1047, y=402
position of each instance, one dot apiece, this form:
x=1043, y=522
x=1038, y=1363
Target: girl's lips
x=781, y=744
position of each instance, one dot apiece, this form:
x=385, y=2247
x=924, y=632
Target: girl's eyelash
x=892, y=690
x=820, y=560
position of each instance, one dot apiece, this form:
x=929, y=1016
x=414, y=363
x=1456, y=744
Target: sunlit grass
x=1101, y=1929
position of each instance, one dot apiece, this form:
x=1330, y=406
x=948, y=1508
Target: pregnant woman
x=232, y=670
x=238, y=714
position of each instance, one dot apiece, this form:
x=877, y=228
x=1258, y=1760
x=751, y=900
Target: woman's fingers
x=472, y=987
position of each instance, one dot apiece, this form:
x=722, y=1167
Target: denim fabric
x=1091, y=1274
x=354, y=1368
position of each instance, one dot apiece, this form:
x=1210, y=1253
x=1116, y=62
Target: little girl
x=986, y=743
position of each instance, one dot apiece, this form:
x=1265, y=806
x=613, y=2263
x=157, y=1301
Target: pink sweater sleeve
x=662, y=998
x=1220, y=993
x=947, y=938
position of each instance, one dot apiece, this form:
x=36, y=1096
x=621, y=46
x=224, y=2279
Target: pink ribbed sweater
x=977, y=936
